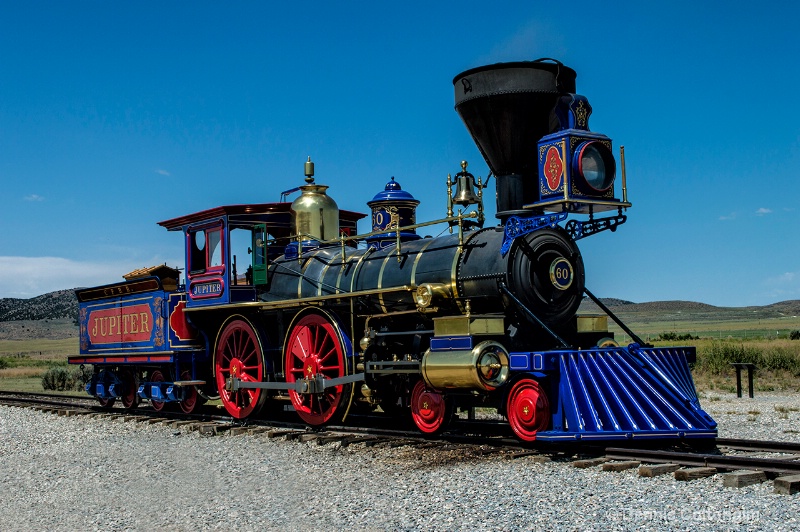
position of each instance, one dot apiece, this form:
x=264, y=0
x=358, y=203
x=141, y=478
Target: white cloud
x=26, y=277
x=34, y=197
x=162, y=172
x=784, y=286
x=762, y=211
x=517, y=46
x=730, y=216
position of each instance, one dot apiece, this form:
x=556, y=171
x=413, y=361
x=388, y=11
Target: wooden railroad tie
x=654, y=470
x=788, y=485
x=693, y=473
x=621, y=466
x=590, y=462
x=330, y=438
x=258, y=430
x=205, y=429
x=740, y=479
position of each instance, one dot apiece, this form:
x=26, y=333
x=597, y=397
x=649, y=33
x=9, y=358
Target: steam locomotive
x=325, y=321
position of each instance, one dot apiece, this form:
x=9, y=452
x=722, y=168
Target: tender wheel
x=157, y=376
x=528, y=409
x=239, y=354
x=103, y=377
x=190, y=398
x=430, y=410
x=106, y=403
x=315, y=346
x=130, y=389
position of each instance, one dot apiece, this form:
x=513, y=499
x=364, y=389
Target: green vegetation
x=675, y=337
x=716, y=356
x=24, y=363
x=64, y=379
x=777, y=363
x=39, y=349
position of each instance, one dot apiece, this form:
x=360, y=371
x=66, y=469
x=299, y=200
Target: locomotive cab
x=228, y=249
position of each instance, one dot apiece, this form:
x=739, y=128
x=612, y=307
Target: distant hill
x=54, y=305
x=690, y=310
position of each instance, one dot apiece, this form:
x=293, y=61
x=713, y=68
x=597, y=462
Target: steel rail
x=758, y=445
x=724, y=462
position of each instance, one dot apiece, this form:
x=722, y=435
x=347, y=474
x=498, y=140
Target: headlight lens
x=595, y=164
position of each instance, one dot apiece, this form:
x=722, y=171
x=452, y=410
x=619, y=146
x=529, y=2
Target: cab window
x=205, y=249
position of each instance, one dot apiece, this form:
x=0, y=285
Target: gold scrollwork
x=581, y=113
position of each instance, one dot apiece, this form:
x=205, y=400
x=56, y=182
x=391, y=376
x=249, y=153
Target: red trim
x=118, y=289
x=119, y=359
x=92, y=360
x=210, y=225
x=255, y=208
x=258, y=208
x=581, y=150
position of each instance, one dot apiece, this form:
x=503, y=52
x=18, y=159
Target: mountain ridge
x=63, y=304
x=49, y=306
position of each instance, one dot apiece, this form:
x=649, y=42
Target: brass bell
x=465, y=189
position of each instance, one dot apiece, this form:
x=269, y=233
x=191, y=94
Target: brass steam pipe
x=624, y=179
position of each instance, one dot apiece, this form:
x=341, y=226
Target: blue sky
x=116, y=115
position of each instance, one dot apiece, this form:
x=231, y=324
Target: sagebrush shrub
x=63, y=379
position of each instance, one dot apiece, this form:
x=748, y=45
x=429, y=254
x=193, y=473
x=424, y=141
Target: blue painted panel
x=147, y=322
x=519, y=361
x=534, y=361
x=626, y=392
x=450, y=343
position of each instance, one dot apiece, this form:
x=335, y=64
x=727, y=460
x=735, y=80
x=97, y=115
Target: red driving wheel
x=430, y=410
x=528, y=409
x=239, y=354
x=314, y=347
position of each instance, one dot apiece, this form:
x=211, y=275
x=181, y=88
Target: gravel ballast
x=69, y=473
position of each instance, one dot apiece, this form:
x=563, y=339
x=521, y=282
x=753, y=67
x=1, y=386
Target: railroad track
x=738, y=457
x=371, y=430
x=720, y=462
